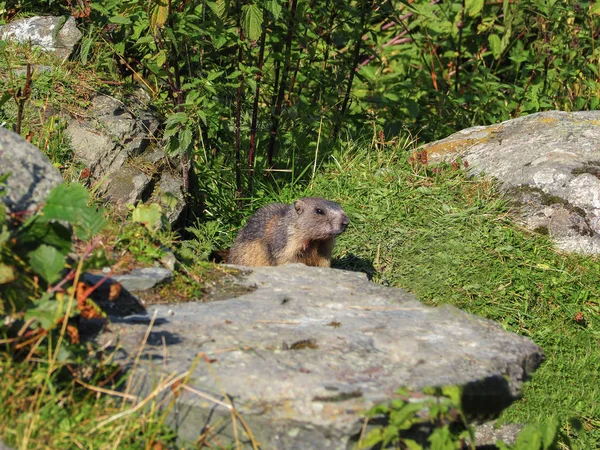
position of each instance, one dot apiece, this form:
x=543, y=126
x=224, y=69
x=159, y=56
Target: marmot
x=278, y=234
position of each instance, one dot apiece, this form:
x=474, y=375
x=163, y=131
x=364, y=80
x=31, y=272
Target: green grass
x=57, y=89
x=450, y=239
x=446, y=237
x=42, y=410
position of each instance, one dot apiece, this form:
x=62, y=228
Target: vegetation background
x=266, y=100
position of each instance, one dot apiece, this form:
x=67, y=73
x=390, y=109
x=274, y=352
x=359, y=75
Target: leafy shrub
x=39, y=272
x=267, y=87
x=440, y=413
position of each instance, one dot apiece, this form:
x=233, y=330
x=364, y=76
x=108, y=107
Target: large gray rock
x=32, y=175
x=550, y=162
x=117, y=142
x=51, y=33
x=303, y=351
x=110, y=135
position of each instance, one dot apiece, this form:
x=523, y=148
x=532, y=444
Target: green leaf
x=191, y=96
x=378, y=410
x=85, y=50
x=214, y=75
x=91, y=222
x=148, y=215
x=37, y=231
x=120, y=20
x=5, y=97
x=48, y=262
x=474, y=7
x=47, y=311
x=402, y=418
x=274, y=7
x=529, y=439
x=252, y=22
x=161, y=58
x=119, y=48
x=64, y=354
x=595, y=9
x=7, y=274
x=412, y=445
x=495, y=45
x=441, y=439
x=4, y=176
x=454, y=393
x=549, y=433
x=220, y=8
x=65, y=202
x=144, y=40
x=185, y=139
x=219, y=41
x=170, y=132
x=176, y=118
x=168, y=200
x=202, y=116
x=69, y=203
x=159, y=14
x=372, y=438
x=390, y=434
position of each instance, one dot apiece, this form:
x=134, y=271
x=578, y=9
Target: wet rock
x=549, y=162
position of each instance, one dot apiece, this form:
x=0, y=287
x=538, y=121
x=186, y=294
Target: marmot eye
x=320, y=211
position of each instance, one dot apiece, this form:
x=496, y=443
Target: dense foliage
x=259, y=86
x=36, y=270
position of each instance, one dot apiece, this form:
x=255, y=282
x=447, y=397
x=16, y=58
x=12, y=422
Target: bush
x=39, y=274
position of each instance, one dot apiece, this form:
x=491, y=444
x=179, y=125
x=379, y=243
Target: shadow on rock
x=113, y=299
x=163, y=337
x=355, y=264
x=486, y=399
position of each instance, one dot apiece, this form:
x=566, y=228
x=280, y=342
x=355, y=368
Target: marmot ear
x=299, y=206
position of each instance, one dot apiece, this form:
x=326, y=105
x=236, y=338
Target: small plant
x=147, y=236
x=208, y=237
x=39, y=274
x=440, y=410
x=439, y=414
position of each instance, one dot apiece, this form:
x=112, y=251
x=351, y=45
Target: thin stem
x=279, y=102
x=259, y=74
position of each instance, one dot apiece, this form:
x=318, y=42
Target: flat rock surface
x=307, y=349
x=553, y=153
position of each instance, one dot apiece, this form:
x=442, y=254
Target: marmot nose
x=345, y=221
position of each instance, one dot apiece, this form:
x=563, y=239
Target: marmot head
x=319, y=219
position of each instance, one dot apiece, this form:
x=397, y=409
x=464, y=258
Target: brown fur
x=279, y=234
